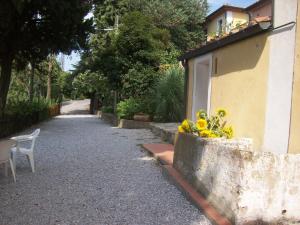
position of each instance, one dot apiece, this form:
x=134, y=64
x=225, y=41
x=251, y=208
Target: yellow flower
x=213, y=135
x=181, y=130
x=221, y=112
x=201, y=124
x=186, y=125
x=228, y=131
x=205, y=133
x=201, y=114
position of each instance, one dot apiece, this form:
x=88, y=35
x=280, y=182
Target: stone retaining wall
x=109, y=118
x=133, y=124
x=125, y=124
x=243, y=185
x=166, y=131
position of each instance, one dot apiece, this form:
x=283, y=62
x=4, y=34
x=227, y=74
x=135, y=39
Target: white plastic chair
x=27, y=151
x=5, y=152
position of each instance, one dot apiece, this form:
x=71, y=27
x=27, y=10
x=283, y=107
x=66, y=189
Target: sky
x=214, y=4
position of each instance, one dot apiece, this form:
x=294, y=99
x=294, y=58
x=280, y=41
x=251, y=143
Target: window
x=220, y=27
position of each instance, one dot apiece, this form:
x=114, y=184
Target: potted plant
x=208, y=127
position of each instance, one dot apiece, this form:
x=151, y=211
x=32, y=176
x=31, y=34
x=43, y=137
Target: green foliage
x=137, y=47
x=28, y=28
x=127, y=108
x=20, y=82
x=138, y=40
x=107, y=109
x=169, y=96
x=149, y=38
x=21, y=114
x=22, y=108
x=88, y=83
x=65, y=84
x=31, y=30
x=183, y=19
x=139, y=81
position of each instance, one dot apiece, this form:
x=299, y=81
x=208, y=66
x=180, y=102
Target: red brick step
x=195, y=197
x=165, y=153
x=162, y=152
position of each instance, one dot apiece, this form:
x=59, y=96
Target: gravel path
x=88, y=173
x=76, y=107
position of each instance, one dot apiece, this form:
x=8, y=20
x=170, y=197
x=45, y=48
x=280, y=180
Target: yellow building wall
x=239, y=18
x=240, y=86
x=213, y=25
x=294, y=143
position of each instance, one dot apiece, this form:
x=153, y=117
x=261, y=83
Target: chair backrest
x=5, y=148
x=34, y=135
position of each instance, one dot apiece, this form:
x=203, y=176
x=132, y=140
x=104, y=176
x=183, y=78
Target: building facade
x=253, y=73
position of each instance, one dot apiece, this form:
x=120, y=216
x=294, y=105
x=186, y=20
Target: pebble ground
x=88, y=173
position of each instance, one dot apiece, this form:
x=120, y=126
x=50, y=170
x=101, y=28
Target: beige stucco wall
x=240, y=86
x=294, y=143
x=213, y=25
x=239, y=18
x=230, y=21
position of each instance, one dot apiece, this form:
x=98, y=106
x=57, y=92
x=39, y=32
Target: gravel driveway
x=90, y=173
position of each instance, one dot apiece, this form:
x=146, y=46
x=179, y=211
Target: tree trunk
x=49, y=80
x=92, y=103
x=5, y=77
x=31, y=82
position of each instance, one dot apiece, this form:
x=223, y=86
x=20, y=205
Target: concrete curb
x=193, y=196
x=164, y=154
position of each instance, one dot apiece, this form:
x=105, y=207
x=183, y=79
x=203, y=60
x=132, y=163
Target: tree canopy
x=33, y=29
x=134, y=38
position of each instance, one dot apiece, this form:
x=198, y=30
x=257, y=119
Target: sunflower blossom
x=221, y=112
x=201, y=124
x=205, y=133
x=181, y=130
x=186, y=125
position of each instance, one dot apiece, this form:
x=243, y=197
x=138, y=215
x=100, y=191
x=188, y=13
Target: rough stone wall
x=132, y=124
x=242, y=184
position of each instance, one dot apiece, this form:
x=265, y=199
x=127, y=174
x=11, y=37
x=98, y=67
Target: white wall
x=202, y=84
x=282, y=50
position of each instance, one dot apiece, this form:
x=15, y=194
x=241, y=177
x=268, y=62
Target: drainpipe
x=186, y=78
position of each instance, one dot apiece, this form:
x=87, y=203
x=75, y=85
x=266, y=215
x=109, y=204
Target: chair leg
x=13, y=157
x=12, y=169
x=31, y=161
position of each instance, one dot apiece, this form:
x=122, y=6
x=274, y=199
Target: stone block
x=133, y=124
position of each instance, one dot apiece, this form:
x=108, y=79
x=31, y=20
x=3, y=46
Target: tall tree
x=51, y=61
x=31, y=87
x=36, y=28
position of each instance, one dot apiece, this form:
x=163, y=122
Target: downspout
x=273, y=13
x=186, y=78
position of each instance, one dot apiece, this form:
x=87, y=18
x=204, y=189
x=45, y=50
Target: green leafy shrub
x=107, y=109
x=20, y=114
x=127, y=108
x=169, y=96
x=139, y=81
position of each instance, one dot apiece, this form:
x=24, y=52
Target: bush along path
x=89, y=173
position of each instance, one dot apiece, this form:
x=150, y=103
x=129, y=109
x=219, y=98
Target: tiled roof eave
x=231, y=39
